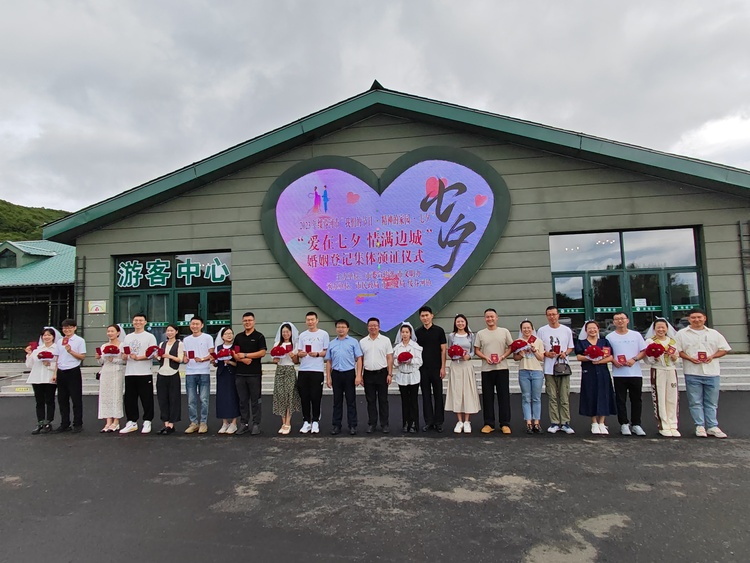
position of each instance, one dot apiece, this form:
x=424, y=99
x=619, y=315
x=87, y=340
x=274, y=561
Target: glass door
x=606, y=299
x=646, y=300
x=683, y=294
x=569, y=298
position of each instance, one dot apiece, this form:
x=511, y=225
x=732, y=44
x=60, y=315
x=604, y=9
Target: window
x=7, y=259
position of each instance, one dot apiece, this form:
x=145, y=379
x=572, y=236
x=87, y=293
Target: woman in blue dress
x=227, y=400
x=597, y=392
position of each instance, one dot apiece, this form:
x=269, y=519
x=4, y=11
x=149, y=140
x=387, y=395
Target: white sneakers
x=231, y=429
x=638, y=431
x=553, y=429
x=305, y=428
x=700, y=432
x=625, y=430
x=146, y=427
x=599, y=429
x=223, y=429
x=467, y=427
x=459, y=427
x=133, y=426
x=716, y=432
x=315, y=427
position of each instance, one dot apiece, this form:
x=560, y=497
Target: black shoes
x=439, y=427
x=77, y=429
x=167, y=430
x=38, y=429
x=242, y=429
x=386, y=429
x=427, y=428
x=353, y=431
x=60, y=429
x=255, y=431
x=370, y=428
x=413, y=429
x=406, y=428
x=335, y=430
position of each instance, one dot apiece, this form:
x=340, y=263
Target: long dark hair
x=460, y=316
x=281, y=334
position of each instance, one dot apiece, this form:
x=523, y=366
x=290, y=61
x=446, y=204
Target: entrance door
x=606, y=298
x=646, y=299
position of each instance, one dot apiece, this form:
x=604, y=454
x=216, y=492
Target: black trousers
x=139, y=387
x=310, y=387
x=634, y=386
x=248, y=391
x=496, y=380
x=432, y=390
x=376, y=393
x=343, y=384
x=169, y=395
x=70, y=390
x=44, y=393
x=409, y=404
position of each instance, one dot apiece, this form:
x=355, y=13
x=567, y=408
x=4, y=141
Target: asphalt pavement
x=425, y=497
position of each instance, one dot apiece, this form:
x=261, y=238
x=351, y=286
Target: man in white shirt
x=198, y=349
x=378, y=371
x=628, y=348
x=700, y=349
x=312, y=345
x=72, y=350
x=558, y=344
x=139, y=381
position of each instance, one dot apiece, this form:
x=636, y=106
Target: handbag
x=561, y=368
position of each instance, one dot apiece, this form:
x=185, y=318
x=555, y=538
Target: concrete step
x=735, y=376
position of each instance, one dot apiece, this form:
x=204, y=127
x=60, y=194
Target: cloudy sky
x=99, y=96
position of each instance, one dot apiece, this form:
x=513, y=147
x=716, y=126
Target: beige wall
x=549, y=193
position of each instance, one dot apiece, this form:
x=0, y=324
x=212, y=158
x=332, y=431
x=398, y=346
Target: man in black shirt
x=249, y=347
x=432, y=340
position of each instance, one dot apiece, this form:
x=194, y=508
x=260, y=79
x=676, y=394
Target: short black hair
x=425, y=309
x=490, y=309
x=145, y=318
x=342, y=322
x=311, y=314
x=550, y=308
x=249, y=314
x=377, y=320
x=691, y=311
x=69, y=322
x=197, y=318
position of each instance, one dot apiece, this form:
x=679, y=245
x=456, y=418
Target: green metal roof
x=55, y=264
x=717, y=177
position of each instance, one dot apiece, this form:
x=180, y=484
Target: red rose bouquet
x=45, y=355
x=223, y=354
x=455, y=352
x=594, y=352
x=278, y=351
x=517, y=345
x=654, y=350
x=110, y=350
x=404, y=357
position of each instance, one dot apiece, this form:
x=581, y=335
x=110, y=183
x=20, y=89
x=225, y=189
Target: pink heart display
x=361, y=253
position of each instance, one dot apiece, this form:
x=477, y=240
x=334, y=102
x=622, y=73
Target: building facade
x=594, y=226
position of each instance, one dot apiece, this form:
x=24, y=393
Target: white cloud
x=726, y=139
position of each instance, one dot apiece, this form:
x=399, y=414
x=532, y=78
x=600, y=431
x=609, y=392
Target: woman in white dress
x=462, y=396
x=407, y=376
x=111, y=379
x=42, y=360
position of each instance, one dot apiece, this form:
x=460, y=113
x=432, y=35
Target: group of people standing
x=416, y=360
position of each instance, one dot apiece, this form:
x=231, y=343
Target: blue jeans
x=703, y=398
x=531, y=393
x=198, y=385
